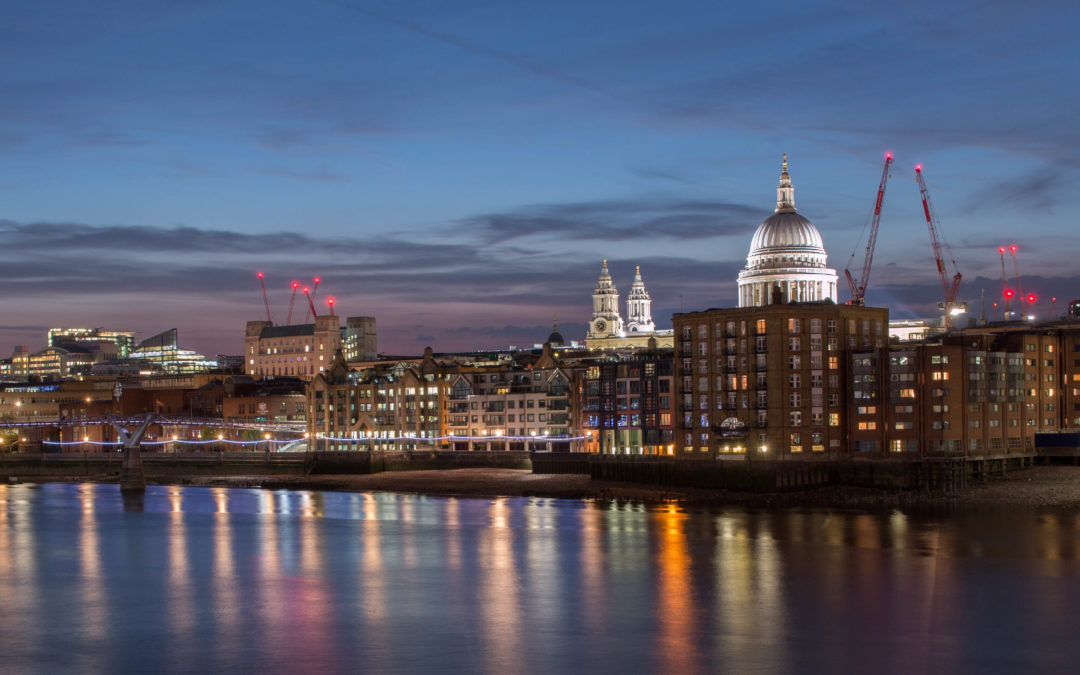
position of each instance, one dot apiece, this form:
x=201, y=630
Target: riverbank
x=1038, y=487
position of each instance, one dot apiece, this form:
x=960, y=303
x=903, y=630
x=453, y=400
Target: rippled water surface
x=217, y=580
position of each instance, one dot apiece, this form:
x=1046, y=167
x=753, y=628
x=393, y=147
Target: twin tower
x=606, y=321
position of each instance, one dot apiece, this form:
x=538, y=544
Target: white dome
x=784, y=232
x=787, y=258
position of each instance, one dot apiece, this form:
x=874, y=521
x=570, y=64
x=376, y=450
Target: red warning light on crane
x=1012, y=249
x=918, y=167
x=1031, y=298
x=306, y=290
x=259, y=274
x=1008, y=292
x=888, y=155
x=295, y=285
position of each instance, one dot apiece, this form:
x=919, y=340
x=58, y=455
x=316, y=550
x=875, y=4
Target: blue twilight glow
x=458, y=170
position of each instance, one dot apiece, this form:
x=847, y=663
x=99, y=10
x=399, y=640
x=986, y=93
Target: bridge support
x=132, y=478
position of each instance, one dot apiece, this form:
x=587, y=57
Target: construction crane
x=858, y=288
x=950, y=307
x=311, y=305
x=314, y=290
x=1019, y=286
x=266, y=300
x=1004, y=283
x=292, y=300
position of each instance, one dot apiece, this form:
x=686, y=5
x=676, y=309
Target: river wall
x=197, y=464
x=925, y=474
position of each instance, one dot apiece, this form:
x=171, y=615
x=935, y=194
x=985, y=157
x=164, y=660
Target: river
x=207, y=580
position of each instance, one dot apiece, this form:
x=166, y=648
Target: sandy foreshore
x=1039, y=487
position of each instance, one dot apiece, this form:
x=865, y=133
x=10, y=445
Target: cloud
x=39, y=237
x=518, y=61
x=664, y=175
x=298, y=174
x=1039, y=190
x=23, y=329
x=108, y=139
x=616, y=221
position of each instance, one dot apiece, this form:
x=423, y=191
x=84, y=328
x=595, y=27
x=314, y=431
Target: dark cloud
x=617, y=221
x=59, y=237
x=664, y=175
x=23, y=329
x=1038, y=190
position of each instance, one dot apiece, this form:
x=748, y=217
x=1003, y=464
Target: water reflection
x=499, y=591
x=677, y=610
x=228, y=611
x=198, y=579
x=95, y=616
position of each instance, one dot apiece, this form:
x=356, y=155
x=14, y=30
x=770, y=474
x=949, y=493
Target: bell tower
x=639, y=306
x=606, y=321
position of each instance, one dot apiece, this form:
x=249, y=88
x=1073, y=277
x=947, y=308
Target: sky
x=458, y=170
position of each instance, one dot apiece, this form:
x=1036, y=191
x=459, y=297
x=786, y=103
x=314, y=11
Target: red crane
x=951, y=290
x=314, y=291
x=858, y=288
x=1019, y=286
x=266, y=301
x=292, y=300
x=311, y=305
x=1004, y=283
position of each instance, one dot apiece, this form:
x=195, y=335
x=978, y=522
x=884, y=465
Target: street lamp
x=266, y=437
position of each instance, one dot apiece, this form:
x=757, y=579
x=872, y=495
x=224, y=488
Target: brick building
x=627, y=403
x=771, y=380
x=513, y=406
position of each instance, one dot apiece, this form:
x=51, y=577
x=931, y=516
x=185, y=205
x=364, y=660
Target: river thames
x=186, y=580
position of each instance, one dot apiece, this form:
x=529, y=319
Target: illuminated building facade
x=300, y=350
x=17, y=368
x=164, y=351
x=513, y=406
x=54, y=363
x=124, y=340
x=787, y=259
x=607, y=331
x=627, y=403
x=388, y=406
x=771, y=380
x=359, y=341
x=959, y=396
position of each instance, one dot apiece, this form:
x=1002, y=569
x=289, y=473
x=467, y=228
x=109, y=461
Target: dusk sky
x=458, y=170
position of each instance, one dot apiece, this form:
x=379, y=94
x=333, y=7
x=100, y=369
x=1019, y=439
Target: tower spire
x=639, y=306
x=785, y=194
x=606, y=320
